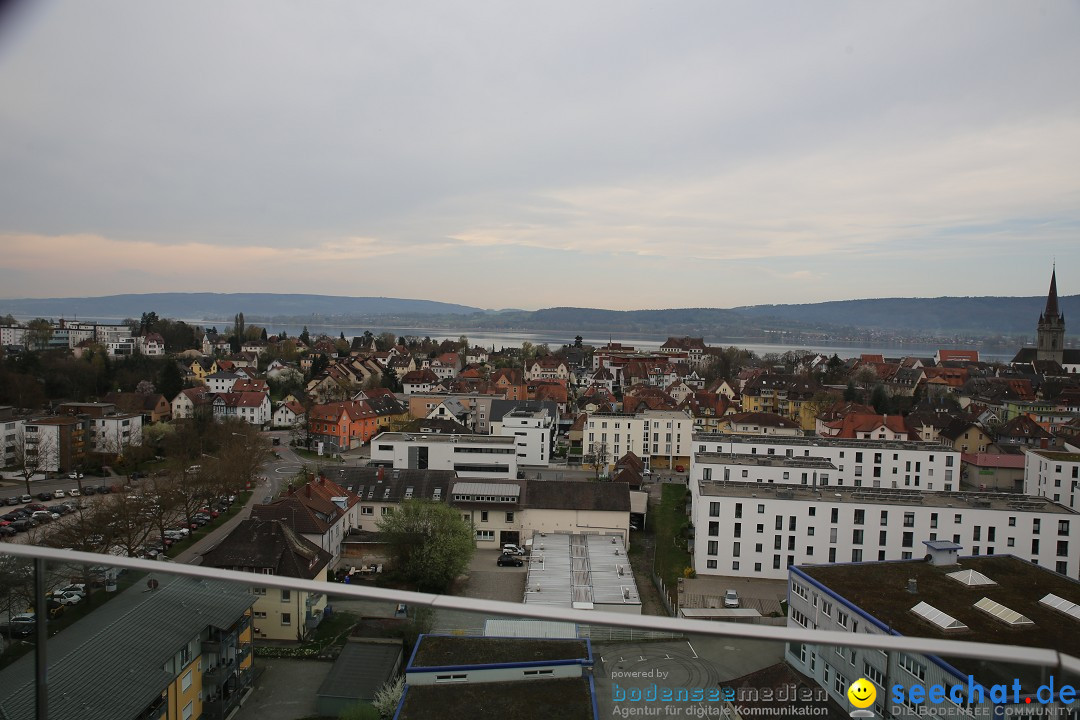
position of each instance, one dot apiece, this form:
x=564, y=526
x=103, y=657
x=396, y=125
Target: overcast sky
x=509, y=154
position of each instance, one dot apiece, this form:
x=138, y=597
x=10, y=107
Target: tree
x=430, y=542
x=390, y=380
x=850, y=393
x=148, y=323
x=239, y=326
x=305, y=336
x=263, y=335
x=577, y=341
x=170, y=381
x=598, y=457
x=38, y=334
x=388, y=696
x=880, y=399
x=385, y=341
x=34, y=455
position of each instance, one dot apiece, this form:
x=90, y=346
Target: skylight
x=1002, y=613
x=1062, y=605
x=938, y=618
x=971, y=578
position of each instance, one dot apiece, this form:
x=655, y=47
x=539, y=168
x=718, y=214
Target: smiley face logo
x=862, y=693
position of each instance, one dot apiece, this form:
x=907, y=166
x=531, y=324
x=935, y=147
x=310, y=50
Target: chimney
x=382, y=472
x=913, y=586
x=307, y=488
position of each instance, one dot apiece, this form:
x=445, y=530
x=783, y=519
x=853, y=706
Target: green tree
x=148, y=323
x=577, y=341
x=305, y=336
x=390, y=380
x=430, y=542
x=239, y=326
x=880, y=399
x=170, y=381
x=850, y=393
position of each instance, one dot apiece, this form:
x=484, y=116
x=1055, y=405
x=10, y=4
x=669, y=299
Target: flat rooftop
x=567, y=698
x=1058, y=455
x=445, y=650
x=879, y=589
x=883, y=496
x=824, y=442
x=811, y=463
x=434, y=438
x=580, y=571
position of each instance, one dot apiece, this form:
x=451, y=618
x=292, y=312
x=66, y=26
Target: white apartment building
x=892, y=464
x=112, y=433
x=1054, y=475
x=661, y=438
x=532, y=430
x=1000, y=599
x=751, y=529
x=470, y=456
x=221, y=382
x=12, y=335
x=10, y=430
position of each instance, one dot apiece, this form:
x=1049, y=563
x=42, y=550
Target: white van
x=510, y=549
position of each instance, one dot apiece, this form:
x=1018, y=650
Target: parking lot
x=485, y=581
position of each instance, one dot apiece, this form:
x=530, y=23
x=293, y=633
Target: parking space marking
x=692, y=649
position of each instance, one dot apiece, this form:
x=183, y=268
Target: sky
x=617, y=154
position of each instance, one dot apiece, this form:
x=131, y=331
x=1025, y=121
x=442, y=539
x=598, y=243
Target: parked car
x=57, y=494
x=731, y=599
x=8, y=531
x=44, y=516
x=26, y=499
x=77, y=588
x=73, y=492
x=75, y=475
x=66, y=598
x=103, y=489
x=20, y=625
x=44, y=496
x=509, y=561
x=13, y=500
x=89, y=490
x=510, y=549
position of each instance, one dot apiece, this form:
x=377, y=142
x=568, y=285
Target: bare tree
x=241, y=455
x=128, y=527
x=598, y=457
x=34, y=454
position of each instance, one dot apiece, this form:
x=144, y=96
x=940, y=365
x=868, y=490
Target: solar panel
x=1062, y=605
x=936, y=617
x=971, y=578
x=1002, y=613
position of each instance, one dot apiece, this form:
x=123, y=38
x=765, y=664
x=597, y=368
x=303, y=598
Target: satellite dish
x=152, y=584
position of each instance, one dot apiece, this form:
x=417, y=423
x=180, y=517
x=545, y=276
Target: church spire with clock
x=1051, y=331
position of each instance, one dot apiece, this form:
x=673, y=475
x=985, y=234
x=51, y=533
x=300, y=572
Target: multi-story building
x=533, y=432
x=11, y=433
x=859, y=463
x=470, y=456
x=662, y=438
x=251, y=407
x=1000, y=599
x=271, y=547
x=1054, y=475
x=112, y=434
x=342, y=425
x=751, y=529
x=180, y=650
x=54, y=444
x=320, y=510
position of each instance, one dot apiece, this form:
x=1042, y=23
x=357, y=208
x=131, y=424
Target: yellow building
x=172, y=648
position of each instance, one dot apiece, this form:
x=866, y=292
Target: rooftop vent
x=971, y=578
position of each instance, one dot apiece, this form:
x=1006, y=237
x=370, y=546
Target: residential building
x=321, y=510
x=289, y=415
x=221, y=382
x=342, y=426
x=1000, y=472
x=858, y=463
x=533, y=431
x=1054, y=475
x=547, y=368
x=475, y=456
x=694, y=348
x=272, y=547
x=55, y=444
x=379, y=490
x=151, y=345
x=759, y=423
x=251, y=407
x=113, y=434
x=153, y=407
x=180, y=650
x=189, y=400
x=419, y=381
x=1002, y=600
x=750, y=529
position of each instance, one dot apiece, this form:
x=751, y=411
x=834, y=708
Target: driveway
x=286, y=690
x=486, y=581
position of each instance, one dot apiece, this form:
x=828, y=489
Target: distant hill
x=945, y=315
x=225, y=305
x=977, y=317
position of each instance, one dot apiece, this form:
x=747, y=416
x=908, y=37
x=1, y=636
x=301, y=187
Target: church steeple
x=1051, y=310
x=1051, y=330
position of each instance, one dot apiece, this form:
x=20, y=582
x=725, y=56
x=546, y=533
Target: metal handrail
x=1043, y=657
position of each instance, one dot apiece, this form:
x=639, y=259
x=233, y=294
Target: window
x=860, y=517
x=485, y=534
x=185, y=682
x=483, y=516
x=286, y=595
x=835, y=515
x=714, y=509
x=1035, y=526
x=909, y=540
x=735, y=549
x=188, y=710
x=258, y=591
x=913, y=666
x=856, y=537
x=714, y=547
x=1063, y=527
x=367, y=510
x=738, y=509
x=286, y=618
x=884, y=518
x=711, y=564
x=909, y=519
x=509, y=517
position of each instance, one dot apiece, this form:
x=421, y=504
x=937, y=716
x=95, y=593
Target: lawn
x=668, y=522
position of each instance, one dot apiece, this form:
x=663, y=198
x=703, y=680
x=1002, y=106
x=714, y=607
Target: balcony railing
x=453, y=614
